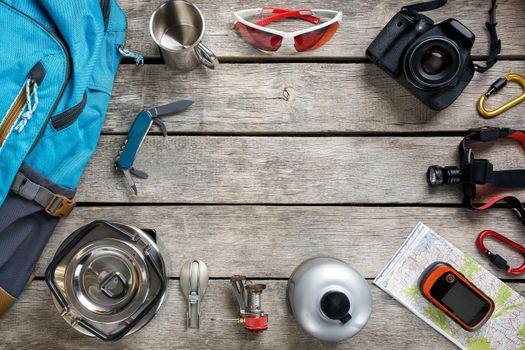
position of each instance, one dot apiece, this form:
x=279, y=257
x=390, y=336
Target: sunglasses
x=267, y=39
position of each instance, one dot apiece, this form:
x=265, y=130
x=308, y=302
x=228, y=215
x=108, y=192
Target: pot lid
x=107, y=279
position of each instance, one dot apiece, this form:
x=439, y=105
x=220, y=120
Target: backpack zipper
x=23, y=99
x=106, y=11
x=66, y=118
x=12, y=115
x=65, y=49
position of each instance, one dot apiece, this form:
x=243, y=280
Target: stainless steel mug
x=177, y=26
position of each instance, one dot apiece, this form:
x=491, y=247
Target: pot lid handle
x=158, y=297
x=114, y=285
x=336, y=306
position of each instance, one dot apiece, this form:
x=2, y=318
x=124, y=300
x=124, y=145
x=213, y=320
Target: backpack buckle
x=60, y=206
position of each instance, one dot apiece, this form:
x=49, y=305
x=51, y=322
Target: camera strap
x=495, y=42
x=480, y=171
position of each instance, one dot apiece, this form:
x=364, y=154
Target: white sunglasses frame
x=288, y=36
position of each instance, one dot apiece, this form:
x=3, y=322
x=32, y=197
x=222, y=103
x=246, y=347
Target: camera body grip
x=389, y=45
x=408, y=39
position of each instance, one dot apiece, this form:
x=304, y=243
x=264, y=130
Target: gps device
x=450, y=291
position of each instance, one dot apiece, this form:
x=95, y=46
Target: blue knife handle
x=136, y=136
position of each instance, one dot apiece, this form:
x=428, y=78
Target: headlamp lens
x=435, y=175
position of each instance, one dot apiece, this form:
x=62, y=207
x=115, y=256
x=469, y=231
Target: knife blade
x=170, y=108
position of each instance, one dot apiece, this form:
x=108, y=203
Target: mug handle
x=206, y=56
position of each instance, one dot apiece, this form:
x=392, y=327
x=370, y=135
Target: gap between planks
x=290, y=235
x=151, y=60
x=299, y=100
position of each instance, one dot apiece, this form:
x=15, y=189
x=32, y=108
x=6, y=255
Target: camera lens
x=432, y=63
x=438, y=176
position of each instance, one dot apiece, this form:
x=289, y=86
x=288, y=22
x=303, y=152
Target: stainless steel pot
x=329, y=299
x=107, y=280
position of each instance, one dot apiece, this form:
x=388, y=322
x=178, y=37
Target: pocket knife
x=136, y=135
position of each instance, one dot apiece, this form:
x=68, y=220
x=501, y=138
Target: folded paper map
x=505, y=330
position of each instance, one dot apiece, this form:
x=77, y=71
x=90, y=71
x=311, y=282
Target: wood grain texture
x=298, y=98
x=35, y=324
x=270, y=241
x=261, y=203
x=284, y=170
x=361, y=23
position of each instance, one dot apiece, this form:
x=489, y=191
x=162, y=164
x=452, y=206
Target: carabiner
x=495, y=87
x=497, y=260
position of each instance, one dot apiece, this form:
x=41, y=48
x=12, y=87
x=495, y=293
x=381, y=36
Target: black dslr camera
x=432, y=61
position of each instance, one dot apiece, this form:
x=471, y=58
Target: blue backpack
x=57, y=65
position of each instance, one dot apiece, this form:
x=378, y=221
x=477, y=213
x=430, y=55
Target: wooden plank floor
x=282, y=158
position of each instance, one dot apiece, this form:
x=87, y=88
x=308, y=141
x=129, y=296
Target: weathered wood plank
x=34, y=324
x=295, y=98
x=270, y=241
x=293, y=170
x=361, y=23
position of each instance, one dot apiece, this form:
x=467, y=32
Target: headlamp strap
x=508, y=178
x=482, y=170
x=482, y=173
x=514, y=202
x=488, y=134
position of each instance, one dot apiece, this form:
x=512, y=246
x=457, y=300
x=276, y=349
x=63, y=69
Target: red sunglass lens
x=317, y=38
x=259, y=39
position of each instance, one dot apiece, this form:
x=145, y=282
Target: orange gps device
x=451, y=292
